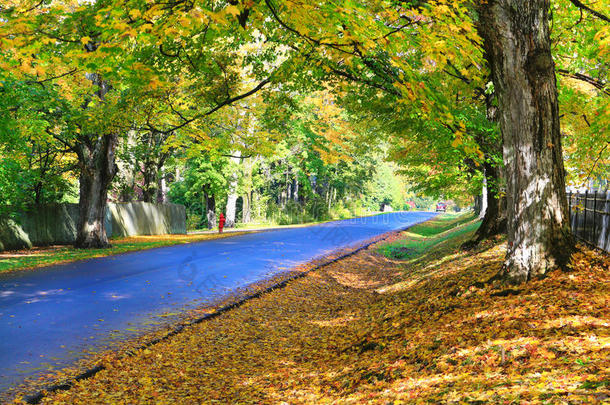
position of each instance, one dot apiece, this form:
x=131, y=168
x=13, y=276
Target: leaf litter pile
x=371, y=329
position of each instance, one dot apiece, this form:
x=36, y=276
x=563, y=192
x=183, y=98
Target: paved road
x=50, y=316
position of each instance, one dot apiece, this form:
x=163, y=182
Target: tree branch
x=599, y=155
x=584, y=78
x=583, y=6
x=217, y=107
x=48, y=79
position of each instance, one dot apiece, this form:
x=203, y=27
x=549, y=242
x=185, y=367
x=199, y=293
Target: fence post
x=576, y=216
x=594, y=234
x=605, y=223
x=570, y=209
x=584, y=230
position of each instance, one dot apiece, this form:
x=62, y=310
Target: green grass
x=423, y=237
x=442, y=223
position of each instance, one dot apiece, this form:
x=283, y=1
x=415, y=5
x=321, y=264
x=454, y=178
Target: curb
x=66, y=385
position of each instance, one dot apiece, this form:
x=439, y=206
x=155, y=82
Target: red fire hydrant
x=221, y=222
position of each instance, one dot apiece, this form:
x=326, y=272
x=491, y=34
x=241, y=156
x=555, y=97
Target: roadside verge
x=372, y=329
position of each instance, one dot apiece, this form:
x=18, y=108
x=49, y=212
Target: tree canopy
x=310, y=106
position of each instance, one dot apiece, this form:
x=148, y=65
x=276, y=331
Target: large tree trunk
x=97, y=171
x=96, y=156
x=149, y=185
x=517, y=45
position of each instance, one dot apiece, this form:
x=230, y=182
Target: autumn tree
x=108, y=58
x=397, y=66
x=518, y=48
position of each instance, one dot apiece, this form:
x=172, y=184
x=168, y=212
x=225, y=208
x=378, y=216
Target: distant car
x=441, y=207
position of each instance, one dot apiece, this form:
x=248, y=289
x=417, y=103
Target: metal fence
x=590, y=217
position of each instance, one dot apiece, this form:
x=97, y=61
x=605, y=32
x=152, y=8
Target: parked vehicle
x=441, y=207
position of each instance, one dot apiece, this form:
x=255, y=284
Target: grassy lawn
x=425, y=236
x=376, y=330
x=46, y=256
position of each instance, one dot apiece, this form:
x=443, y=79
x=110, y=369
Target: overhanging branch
x=583, y=6
x=584, y=78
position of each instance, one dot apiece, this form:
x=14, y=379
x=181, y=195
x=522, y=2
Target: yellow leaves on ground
x=439, y=334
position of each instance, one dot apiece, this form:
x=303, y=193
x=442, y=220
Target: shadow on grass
x=423, y=237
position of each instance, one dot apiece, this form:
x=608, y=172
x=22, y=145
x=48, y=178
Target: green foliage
x=581, y=50
x=203, y=176
x=35, y=168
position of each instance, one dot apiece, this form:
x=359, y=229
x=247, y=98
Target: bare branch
x=584, y=78
x=48, y=79
x=599, y=155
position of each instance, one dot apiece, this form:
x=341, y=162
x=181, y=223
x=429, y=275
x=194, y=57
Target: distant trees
x=310, y=173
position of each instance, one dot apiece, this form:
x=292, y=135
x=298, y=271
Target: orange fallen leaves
x=371, y=330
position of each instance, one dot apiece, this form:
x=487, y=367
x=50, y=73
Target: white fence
x=590, y=217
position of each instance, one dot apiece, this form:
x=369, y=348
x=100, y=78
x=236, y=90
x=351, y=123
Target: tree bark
x=149, y=185
x=96, y=156
x=517, y=44
x=232, y=197
x=246, y=213
x=211, y=210
x=494, y=219
x=97, y=171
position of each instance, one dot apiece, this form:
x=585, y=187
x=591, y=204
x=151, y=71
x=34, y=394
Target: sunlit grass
x=423, y=237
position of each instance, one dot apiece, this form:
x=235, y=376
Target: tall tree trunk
x=97, y=171
x=149, y=176
x=517, y=44
x=246, y=213
x=494, y=218
x=232, y=197
x=96, y=157
x=210, y=203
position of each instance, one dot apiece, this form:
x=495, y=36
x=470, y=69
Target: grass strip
x=423, y=237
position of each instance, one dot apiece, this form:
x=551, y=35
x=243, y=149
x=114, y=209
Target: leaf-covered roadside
x=368, y=329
